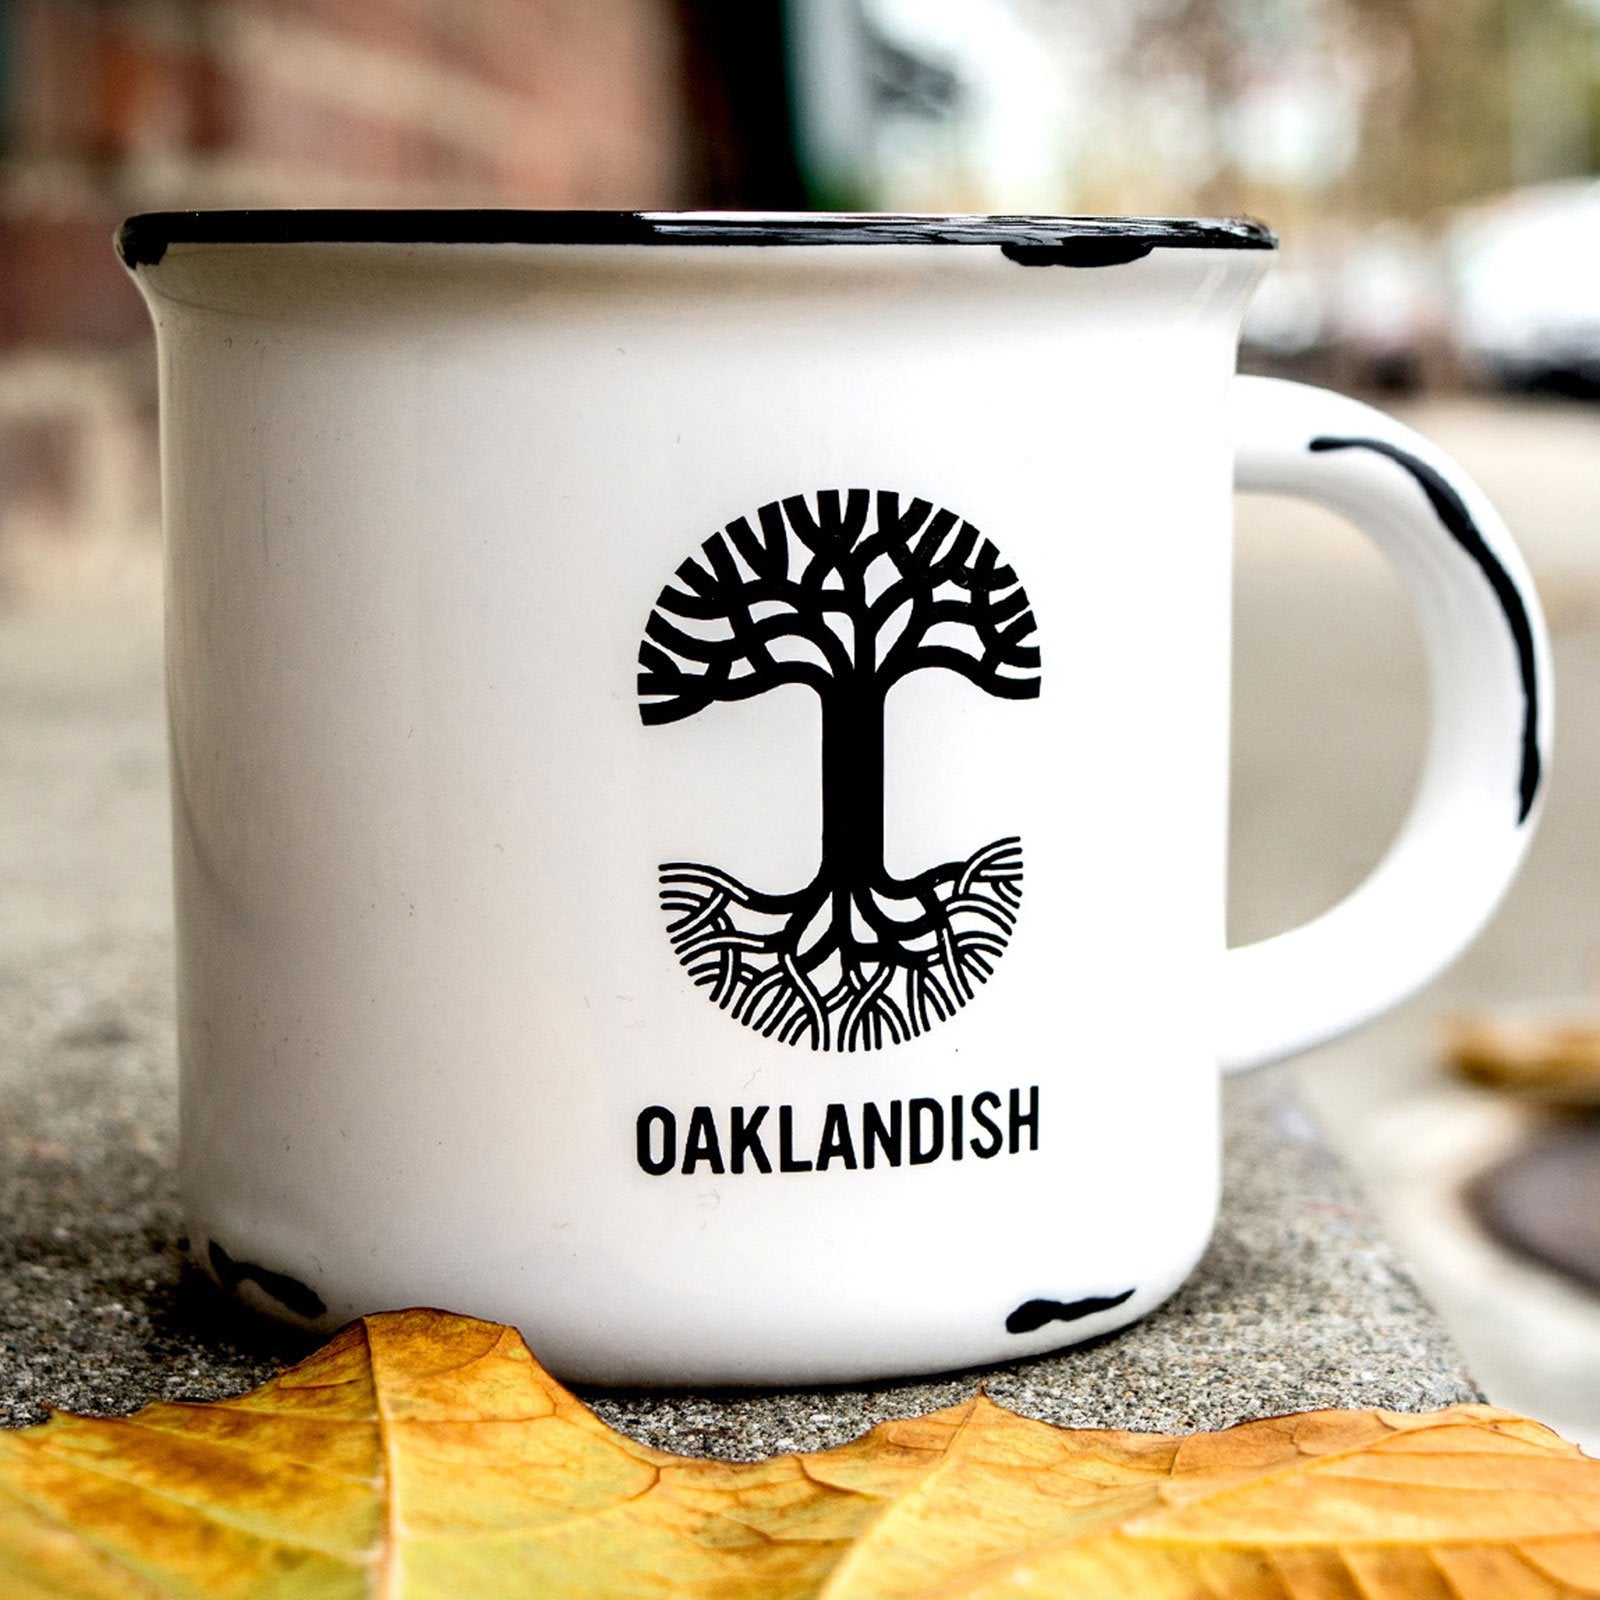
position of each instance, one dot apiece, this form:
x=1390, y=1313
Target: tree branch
x=682, y=694
x=974, y=671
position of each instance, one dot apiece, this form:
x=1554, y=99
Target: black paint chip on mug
x=1457, y=520
x=289, y=1292
x=1090, y=251
x=1032, y=1315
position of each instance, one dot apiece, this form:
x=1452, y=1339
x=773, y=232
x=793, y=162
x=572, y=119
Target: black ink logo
x=847, y=598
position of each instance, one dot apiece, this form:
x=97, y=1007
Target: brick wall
x=175, y=103
x=110, y=108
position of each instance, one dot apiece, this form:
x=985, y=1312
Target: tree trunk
x=852, y=787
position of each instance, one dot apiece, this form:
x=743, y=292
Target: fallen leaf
x=422, y=1456
x=1549, y=1057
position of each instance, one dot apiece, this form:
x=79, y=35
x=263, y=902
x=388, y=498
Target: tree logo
x=846, y=598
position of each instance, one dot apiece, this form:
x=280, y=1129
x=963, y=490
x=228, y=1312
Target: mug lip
x=1032, y=240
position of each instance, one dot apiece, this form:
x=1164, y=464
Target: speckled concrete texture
x=1299, y=1303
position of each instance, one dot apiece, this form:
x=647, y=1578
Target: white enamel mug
x=699, y=754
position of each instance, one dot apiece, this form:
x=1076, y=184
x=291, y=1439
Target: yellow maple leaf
x=423, y=1456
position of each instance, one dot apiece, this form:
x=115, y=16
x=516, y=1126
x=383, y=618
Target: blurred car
x=1385, y=308
x=1526, y=281
x=1288, y=316
x=1358, y=310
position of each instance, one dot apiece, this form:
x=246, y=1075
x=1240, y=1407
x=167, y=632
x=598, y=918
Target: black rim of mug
x=1030, y=240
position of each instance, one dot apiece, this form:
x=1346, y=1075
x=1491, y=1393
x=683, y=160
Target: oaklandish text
x=766, y=1139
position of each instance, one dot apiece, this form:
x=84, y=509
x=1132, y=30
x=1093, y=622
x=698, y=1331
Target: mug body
x=699, y=771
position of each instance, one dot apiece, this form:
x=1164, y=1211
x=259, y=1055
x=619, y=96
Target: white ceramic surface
x=519, y=785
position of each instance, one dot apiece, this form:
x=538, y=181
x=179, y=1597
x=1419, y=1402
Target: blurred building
x=108, y=107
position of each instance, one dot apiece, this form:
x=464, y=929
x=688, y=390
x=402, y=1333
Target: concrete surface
x=1299, y=1304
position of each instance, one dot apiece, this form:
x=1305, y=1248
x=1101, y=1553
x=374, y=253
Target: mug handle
x=1488, y=657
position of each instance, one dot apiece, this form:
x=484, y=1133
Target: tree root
x=845, y=970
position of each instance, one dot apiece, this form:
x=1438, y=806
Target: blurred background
x=1427, y=162
x=1430, y=166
